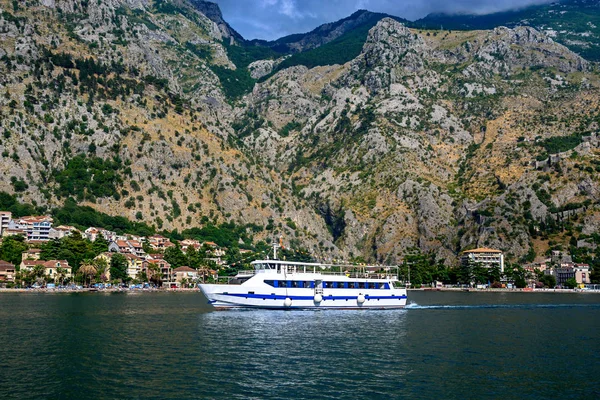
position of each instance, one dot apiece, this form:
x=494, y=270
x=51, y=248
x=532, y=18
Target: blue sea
x=172, y=346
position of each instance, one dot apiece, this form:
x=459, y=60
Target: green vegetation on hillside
x=243, y=55
x=559, y=144
x=10, y=203
x=89, y=178
x=83, y=217
x=338, y=51
x=235, y=83
x=238, y=82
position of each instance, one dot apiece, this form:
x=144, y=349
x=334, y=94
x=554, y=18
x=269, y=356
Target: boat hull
x=239, y=296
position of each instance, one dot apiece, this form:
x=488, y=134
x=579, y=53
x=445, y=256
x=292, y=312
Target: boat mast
x=276, y=246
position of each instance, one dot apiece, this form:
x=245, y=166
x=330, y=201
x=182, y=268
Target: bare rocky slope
x=434, y=140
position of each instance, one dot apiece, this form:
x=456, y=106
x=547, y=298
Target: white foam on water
x=415, y=306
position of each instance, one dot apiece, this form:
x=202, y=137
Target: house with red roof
x=7, y=271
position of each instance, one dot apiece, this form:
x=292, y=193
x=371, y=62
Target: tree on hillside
x=195, y=259
x=72, y=248
x=480, y=273
x=102, y=269
x=595, y=274
x=519, y=276
x=175, y=257
x=494, y=274
x=87, y=270
x=118, y=267
x=99, y=246
x=571, y=283
x=154, y=274
x=12, y=249
x=549, y=281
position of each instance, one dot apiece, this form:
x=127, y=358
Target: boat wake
x=415, y=306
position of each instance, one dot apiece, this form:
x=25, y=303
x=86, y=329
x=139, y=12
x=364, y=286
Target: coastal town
x=143, y=257
x=125, y=260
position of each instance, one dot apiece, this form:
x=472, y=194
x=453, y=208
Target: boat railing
x=249, y=272
x=349, y=274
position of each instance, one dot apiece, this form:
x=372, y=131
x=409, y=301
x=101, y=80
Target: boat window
x=312, y=284
x=270, y=283
x=279, y=284
x=289, y=284
x=326, y=285
x=346, y=285
x=308, y=284
x=386, y=286
x=361, y=285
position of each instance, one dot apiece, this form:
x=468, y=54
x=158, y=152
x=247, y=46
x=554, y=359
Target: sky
x=272, y=19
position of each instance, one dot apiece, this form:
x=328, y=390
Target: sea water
x=171, y=345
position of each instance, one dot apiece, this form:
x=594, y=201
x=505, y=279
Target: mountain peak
x=213, y=12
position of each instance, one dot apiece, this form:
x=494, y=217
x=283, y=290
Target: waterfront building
x=5, y=218
x=36, y=228
x=127, y=247
x=108, y=235
x=187, y=273
x=28, y=265
x=135, y=264
x=487, y=257
x=14, y=232
x=159, y=242
x=187, y=243
x=166, y=271
x=61, y=231
x=7, y=271
x=91, y=234
x=566, y=271
x=31, y=254
x=57, y=269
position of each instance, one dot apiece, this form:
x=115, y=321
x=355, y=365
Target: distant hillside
x=574, y=23
x=361, y=20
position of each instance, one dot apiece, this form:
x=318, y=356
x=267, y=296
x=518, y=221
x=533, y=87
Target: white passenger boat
x=279, y=284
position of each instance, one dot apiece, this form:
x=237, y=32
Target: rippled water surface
x=170, y=345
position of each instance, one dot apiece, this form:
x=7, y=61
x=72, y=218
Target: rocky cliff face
x=428, y=139
x=410, y=142
x=213, y=12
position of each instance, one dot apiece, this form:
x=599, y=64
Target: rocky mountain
x=323, y=34
x=574, y=23
x=213, y=12
x=429, y=139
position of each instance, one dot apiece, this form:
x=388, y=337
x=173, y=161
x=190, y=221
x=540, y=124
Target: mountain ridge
x=426, y=139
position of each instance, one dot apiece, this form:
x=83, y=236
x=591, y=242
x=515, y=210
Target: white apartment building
x=487, y=257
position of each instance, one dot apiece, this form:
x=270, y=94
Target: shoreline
x=525, y=290
x=92, y=290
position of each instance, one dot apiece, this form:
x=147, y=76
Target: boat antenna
x=275, y=246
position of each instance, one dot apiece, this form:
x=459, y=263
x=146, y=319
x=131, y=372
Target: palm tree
x=88, y=270
x=153, y=272
x=204, y=273
x=60, y=275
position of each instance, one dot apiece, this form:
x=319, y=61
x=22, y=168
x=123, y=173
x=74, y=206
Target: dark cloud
x=272, y=19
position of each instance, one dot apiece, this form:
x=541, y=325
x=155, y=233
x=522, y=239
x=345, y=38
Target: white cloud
x=267, y=3
x=288, y=8
x=270, y=19
x=362, y=4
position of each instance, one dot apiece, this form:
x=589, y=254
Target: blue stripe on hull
x=325, y=298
